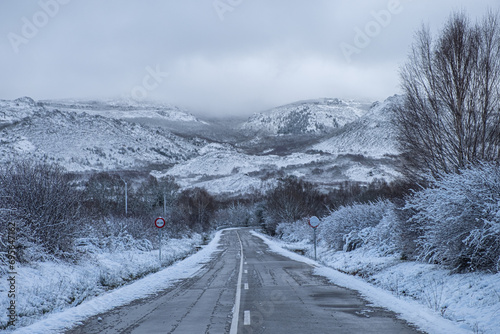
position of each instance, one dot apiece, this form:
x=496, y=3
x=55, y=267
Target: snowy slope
x=222, y=169
x=362, y=150
x=228, y=171
x=371, y=135
x=79, y=141
x=307, y=117
x=16, y=110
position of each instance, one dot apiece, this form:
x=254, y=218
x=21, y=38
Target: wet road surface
x=276, y=295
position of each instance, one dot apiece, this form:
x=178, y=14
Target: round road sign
x=160, y=222
x=314, y=222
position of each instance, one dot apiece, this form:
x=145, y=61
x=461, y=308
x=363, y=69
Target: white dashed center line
x=246, y=320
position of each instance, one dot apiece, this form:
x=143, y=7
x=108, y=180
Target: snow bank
x=50, y=284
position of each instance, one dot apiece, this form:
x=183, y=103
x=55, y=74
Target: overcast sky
x=217, y=57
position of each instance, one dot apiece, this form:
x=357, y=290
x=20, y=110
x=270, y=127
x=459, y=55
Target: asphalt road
x=276, y=295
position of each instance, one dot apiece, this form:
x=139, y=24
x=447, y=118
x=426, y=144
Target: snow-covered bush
x=236, y=214
x=351, y=226
x=460, y=219
x=383, y=237
x=44, y=204
x=55, y=285
x=113, y=234
x=295, y=232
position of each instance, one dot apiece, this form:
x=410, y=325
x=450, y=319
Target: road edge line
x=236, y=309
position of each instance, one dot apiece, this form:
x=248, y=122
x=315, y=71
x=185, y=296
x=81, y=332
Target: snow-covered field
x=52, y=296
x=424, y=294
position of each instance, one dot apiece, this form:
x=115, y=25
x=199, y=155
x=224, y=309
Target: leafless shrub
x=43, y=203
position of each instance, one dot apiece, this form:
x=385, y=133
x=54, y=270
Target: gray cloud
x=261, y=54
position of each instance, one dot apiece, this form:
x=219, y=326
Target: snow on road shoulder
x=408, y=310
x=58, y=322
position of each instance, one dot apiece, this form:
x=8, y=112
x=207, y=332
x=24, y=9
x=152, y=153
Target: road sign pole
x=160, y=223
x=314, y=223
x=164, y=204
x=159, y=237
x=314, y=244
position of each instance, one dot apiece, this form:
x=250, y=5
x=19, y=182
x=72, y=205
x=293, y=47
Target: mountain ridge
x=223, y=157
x=314, y=116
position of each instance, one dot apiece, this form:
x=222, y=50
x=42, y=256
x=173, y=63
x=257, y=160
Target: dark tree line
x=196, y=207
x=294, y=199
x=291, y=200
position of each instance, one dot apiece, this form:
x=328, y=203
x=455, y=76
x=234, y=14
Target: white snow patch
x=24, y=146
x=234, y=184
x=363, y=173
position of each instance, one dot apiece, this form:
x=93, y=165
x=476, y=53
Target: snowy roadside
x=59, y=321
x=422, y=294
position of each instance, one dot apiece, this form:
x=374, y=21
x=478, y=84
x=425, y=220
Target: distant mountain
x=124, y=110
x=372, y=135
x=360, y=146
x=324, y=141
x=82, y=141
x=307, y=117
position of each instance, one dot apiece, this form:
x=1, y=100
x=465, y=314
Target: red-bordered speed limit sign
x=314, y=221
x=160, y=222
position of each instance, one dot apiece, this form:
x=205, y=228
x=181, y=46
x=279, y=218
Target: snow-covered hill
x=80, y=141
x=362, y=149
x=223, y=169
x=371, y=135
x=307, y=117
x=14, y=111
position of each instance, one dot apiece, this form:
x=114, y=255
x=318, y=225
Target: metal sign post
x=314, y=223
x=160, y=223
x=314, y=244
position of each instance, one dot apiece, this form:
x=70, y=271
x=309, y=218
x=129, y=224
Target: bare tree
x=450, y=117
x=154, y=195
x=104, y=194
x=292, y=200
x=195, y=207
